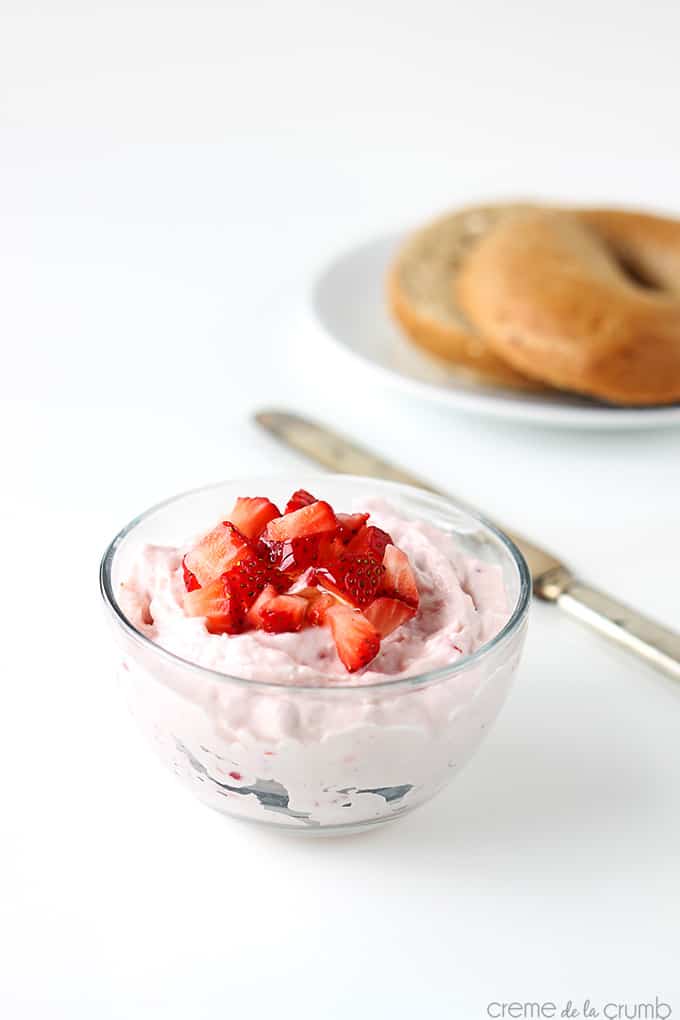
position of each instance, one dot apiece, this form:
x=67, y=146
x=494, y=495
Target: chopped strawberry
x=399, y=581
x=215, y=601
x=307, y=567
x=331, y=548
x=388, y=614
x=298, y=500
x=252, y=514
x=350, y=525
x=318, y=609
x=292, y=557
x=355, y=579
x=254, y=615
x=274, y=553
x=309, y=520
x=216, y=552
x=302, y=584
x=324, y=544
x=303, y=552
x=283, y=613
x=317, y=604
x=190, y=582
x=249, y=576
x=370, y=541
x=298, y=554
x=356, y=639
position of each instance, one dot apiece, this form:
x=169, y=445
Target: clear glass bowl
x=321, y=758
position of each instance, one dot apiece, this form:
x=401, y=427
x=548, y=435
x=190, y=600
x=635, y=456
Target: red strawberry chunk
x=356, y=639
x=254, y=615
x=298, y=554
x=248, y=577
x=317, y=604
x=291, y=556
x=319, y=608
x=388, y=614
x=215, y=553
x=283, y=613
x=331, y=548
x=303, y=552
x=355, y=579
x=190, y=582
x=309, y=520
x=298, y=500
x=370, y=541
x=274, y=553
x=307, y=567
x=350, y=525
x=399, y=581
x=252, y=514
x=223, y=611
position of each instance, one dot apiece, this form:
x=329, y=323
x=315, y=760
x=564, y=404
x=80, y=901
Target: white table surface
x=170, y=176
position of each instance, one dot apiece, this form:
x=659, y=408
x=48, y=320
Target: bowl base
x=317, y=831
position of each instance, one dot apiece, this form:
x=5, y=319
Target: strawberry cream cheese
x=306, y=718
x=462, y=605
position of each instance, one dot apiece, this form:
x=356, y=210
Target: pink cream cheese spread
x=462, y=605
x=309, y=754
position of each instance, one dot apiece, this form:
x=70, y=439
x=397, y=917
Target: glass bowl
x=326, y=757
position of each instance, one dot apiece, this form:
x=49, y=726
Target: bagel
x=646, y=246
x=422, y=300
x=586, y=301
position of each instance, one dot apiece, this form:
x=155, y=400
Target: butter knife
x=657, y=645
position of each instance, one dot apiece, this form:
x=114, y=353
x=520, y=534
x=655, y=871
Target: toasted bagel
x=422, y=299
x=586, y=301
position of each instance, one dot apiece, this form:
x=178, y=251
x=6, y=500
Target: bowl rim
x=511, y=626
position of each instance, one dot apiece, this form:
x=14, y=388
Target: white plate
x=348, y=304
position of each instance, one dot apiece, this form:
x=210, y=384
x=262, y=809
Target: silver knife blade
x=657, y=645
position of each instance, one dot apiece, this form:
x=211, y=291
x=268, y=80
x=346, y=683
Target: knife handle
x=657, y=645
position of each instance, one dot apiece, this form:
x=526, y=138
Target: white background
x=170, y=176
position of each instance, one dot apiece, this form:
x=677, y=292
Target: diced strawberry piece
x=298, y=500
x=317, y=550
x=350, y=525
x=249, y=576
x=273, y=552
x=298, y=554
x=254, y=615
x=190, y=582
x=215, y=601
x=331, y=548
x=216, y=551
x=316, y=614
x=356, y=639
x=310, y=520
x=388, y=614
x=317, y=604
x=356, y=579
x=291, y=557
x=399, y=581
x=283, y=613
x=370, y=541
x=303, y=552
x=251, y=515
x=329, y=586
x=302, y=584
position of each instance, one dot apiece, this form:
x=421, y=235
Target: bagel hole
x=637, y=274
